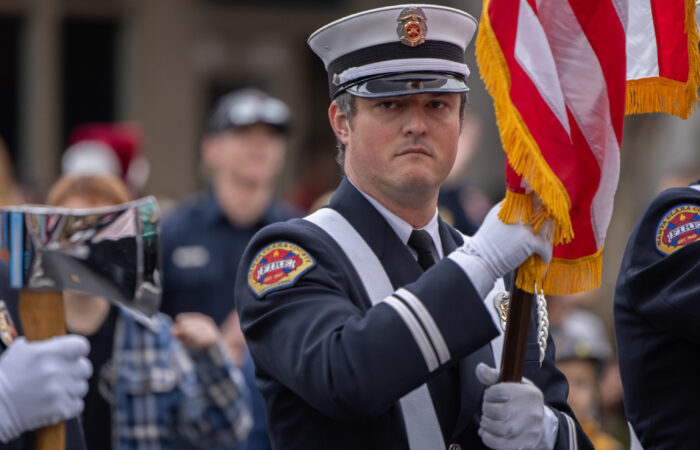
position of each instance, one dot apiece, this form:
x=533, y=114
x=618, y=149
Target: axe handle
x=42, y=316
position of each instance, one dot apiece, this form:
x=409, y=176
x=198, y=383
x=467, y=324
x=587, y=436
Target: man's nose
x=415, y=122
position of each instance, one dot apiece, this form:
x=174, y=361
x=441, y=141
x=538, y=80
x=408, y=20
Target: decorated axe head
x=110, y=252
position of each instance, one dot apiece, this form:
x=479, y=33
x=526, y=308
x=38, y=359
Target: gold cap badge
x=412, y=26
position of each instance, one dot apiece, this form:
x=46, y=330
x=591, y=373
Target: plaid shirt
x=162, y=392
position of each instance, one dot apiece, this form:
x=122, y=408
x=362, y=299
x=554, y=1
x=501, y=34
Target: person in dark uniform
x=41, y=383
x=371, y=321
x=243, y=149
x=656, y=322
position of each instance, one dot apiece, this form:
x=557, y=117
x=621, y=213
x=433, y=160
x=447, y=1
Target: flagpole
x=513, y=357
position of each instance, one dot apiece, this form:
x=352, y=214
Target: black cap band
x=390, y=51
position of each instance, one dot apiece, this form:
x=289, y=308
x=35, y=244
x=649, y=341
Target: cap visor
x=406, y=84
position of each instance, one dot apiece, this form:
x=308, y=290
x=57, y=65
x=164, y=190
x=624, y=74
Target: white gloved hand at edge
x=497, y=248
x=513, y=414
x=42, y=383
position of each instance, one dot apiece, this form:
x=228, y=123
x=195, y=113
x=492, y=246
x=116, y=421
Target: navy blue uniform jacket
x=657, y=322
x=74, y=434
x=331, y=367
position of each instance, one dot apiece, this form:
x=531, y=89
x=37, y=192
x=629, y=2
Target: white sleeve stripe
x=573, y=443
x=428, y=322
x=416, y=330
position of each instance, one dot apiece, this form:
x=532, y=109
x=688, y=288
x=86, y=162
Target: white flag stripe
x=416, y=331
x=585, y=90
x=642, y=54
x=428, y=323
x=622, y=8
x=535, y=57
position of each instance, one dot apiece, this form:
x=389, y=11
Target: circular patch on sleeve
x=679, y=227
x=277, y=266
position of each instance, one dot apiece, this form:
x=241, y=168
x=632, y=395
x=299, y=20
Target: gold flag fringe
x=522, y=151
x=561, y=276
x=552, y=202
x=657, y=94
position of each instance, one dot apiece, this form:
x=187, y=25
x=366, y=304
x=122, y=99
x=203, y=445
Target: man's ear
x=339, y=123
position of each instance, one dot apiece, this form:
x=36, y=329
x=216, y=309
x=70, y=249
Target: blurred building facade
x=159, y=63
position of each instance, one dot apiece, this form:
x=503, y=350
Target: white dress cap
x=393, y=40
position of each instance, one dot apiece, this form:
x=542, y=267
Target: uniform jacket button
x=454, y=447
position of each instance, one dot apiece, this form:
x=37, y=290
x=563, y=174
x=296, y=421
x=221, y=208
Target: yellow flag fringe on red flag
x=521, y=149
x=556, y=70
x=543, y=142
x=675, y=89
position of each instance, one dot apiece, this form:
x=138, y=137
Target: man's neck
x=415, y=208
x=242, y=203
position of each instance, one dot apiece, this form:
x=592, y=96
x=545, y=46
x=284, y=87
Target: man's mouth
x=414, y=150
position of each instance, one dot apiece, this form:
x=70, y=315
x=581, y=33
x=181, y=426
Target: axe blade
x=110, y=252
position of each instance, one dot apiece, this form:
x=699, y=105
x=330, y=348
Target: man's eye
x=388, y=104
x=437, y=105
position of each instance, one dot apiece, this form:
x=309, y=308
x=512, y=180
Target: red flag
x=557, y=72
x=663, y=71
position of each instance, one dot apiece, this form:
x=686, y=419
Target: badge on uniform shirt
x=8, y=332
x=277, y=266
x=678, y=228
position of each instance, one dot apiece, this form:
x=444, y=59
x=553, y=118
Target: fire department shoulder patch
x=277, y=266
x=679, y=227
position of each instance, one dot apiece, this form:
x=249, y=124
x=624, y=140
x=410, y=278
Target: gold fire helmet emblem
x=412, y=26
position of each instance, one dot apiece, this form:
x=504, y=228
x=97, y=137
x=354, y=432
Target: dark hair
x=347, y=105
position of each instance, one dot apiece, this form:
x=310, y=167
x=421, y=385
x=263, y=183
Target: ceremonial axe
x=110, y=252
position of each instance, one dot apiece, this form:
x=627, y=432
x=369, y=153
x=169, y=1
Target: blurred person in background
x=582, y=353
x=10, y=192
x=154, y=382
x=108, y=149
x=657, y=321
x=560, y=309
x=243, y=149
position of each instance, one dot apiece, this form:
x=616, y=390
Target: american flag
x=558, y=72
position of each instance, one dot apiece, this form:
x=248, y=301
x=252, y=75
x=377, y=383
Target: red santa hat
x=107, y=148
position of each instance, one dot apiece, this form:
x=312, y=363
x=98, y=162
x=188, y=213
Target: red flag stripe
x=585, y=88
x=672, y=46
x=609, y=48
x=552, y=143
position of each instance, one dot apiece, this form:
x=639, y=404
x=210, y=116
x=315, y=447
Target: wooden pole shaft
x=515, y=343
x=42, y=316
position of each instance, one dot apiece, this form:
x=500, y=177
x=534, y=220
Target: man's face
x=251, y=154
x=402, y=145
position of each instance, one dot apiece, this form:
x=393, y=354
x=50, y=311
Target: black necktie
x=421, y=242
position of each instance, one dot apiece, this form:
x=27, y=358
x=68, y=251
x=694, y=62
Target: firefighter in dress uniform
x=371, y=322
x=657, y=318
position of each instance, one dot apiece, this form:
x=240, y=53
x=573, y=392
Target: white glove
x=497, y=248
x=42, y=383
x=514, y=415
